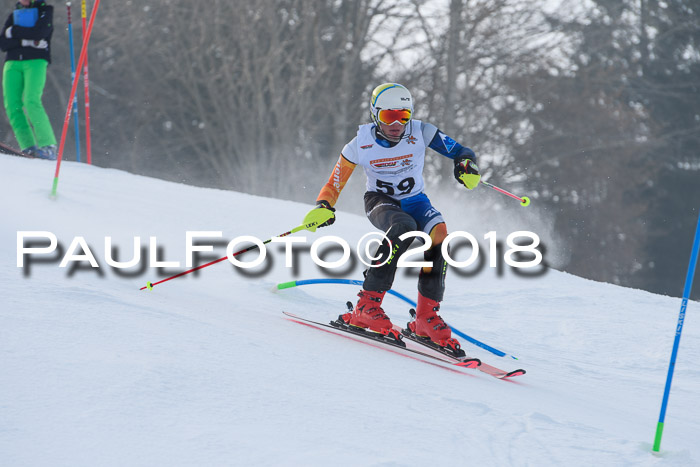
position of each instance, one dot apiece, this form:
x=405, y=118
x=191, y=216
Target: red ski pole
x=311, y=226
x=524, y=201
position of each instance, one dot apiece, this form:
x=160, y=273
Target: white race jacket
x=395, y=171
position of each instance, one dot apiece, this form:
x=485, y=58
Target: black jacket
x=43, y=29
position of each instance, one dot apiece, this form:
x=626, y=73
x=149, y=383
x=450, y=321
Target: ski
x=453, y=354
x=484, y=367
x=13, y=152
x=394, y=341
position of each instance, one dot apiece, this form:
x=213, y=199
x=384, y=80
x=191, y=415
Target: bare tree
x=243, y=95
x=470, y=53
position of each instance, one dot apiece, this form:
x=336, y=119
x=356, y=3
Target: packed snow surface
x=205, y=369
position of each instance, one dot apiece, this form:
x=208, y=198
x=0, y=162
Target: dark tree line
x=595, y=112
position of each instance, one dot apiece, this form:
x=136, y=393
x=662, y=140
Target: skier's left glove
x=321, y=216
x=41, y=44
x=467, y=172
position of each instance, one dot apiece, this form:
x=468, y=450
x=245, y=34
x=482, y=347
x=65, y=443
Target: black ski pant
x=386, y=214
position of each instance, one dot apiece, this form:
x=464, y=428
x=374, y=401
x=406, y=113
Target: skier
x=391, y=149
x=26, y=37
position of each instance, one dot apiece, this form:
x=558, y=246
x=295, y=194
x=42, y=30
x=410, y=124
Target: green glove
x=320, y=216
x=467, y=172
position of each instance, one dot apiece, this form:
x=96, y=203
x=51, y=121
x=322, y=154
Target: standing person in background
x=391, y=150
x=26, y=38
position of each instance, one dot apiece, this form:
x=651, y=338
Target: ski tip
x=513, y=373
x=286, y=285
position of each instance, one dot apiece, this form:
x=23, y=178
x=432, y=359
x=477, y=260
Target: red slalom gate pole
x=86, y=82
x=74, y=88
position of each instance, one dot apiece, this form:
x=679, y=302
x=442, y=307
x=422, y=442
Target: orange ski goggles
x=390, y=116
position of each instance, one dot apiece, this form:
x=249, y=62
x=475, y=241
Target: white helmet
x=391, y=96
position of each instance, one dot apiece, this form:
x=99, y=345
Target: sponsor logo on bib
x=392, y=162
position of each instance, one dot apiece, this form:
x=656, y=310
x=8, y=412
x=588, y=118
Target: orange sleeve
x=339, y=177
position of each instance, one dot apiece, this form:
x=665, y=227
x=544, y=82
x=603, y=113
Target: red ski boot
x=368, y=313
x=429, y=325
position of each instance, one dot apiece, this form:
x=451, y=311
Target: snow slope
x=206, y=371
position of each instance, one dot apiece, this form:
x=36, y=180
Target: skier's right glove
x=467, y=172
x=320, y=216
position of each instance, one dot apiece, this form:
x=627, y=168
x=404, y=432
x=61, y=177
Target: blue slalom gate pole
x=679, y=328
x=478, y=343
x=72, y=77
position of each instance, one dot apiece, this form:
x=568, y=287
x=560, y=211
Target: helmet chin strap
x=393, y=139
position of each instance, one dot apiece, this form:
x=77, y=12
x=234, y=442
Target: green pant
x=22, y=86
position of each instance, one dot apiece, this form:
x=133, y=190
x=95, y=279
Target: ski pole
x=524, y=201
x=311, y=226
x=72, y=77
